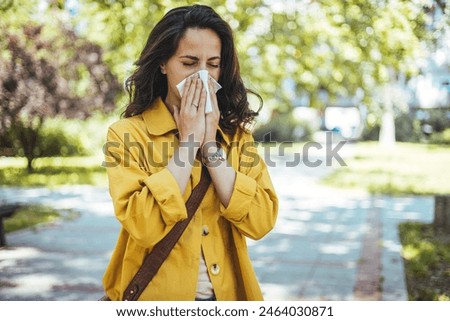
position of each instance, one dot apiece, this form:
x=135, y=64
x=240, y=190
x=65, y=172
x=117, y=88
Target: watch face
x=218, y=155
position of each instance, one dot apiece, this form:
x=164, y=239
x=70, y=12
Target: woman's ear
x=163, y=68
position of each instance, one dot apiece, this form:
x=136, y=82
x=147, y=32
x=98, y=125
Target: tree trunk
x=30, y=165
x=442, y=213
x=387, y=129
x=28, y=135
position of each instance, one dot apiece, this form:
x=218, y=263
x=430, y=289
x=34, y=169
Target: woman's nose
x=202, y=66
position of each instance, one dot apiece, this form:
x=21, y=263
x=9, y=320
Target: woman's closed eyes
x=194, y=63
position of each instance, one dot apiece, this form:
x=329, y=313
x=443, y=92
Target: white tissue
x=204, y=77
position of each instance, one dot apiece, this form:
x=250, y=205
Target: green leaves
x=336, y=46
x=47, y=70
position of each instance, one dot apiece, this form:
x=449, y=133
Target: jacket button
x=205, y=230
x=215, y=269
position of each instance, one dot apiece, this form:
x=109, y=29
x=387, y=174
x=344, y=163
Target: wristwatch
x=219, y=155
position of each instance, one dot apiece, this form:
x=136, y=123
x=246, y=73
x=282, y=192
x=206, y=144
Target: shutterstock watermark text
x=129, y=152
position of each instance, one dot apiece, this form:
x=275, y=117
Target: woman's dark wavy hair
x=147, y=82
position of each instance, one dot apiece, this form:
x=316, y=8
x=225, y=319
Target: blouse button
x=215, y=269
x=205, y=230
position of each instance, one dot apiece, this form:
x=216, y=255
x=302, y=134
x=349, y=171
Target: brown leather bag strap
x=161, y=250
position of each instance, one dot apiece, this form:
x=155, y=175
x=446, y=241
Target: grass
x=53, y=171
x=426, y=255
x=33, y=215
x=416, y=169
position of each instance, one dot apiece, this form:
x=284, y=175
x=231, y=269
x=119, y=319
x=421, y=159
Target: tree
x=44, y=76
x=328, y=39
x=342, y=47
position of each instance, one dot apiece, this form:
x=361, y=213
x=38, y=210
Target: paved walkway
x=328, y=244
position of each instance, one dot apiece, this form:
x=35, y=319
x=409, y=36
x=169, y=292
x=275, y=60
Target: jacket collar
x=224, y=136
x=158, y=118
x=160, y=121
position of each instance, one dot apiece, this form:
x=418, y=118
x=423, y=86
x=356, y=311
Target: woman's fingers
x=212, y=118
x=187, y=85
x=197, y=94
x=190, y=118
x=212, y=91
x=202, y=101
x=192, y=85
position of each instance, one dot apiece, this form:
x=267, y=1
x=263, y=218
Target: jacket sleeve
x=146, y=204
x=253, y=206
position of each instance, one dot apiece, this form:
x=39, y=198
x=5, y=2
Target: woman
x=154, y=160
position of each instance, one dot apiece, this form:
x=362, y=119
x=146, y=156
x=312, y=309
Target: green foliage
x=441, y=138
x=303, y=131
x=47, y=71
x=280, y=128
x=407, y=129
x=371, y=130
x=76, y=137
x=427, y=261
x=283, y=127
x=56, y=141
x=338, y=46
x=15, y=12
x=53, y=139
x=437, y=118
x=410, y=128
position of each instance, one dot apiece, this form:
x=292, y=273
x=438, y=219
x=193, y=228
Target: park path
x=328, y=244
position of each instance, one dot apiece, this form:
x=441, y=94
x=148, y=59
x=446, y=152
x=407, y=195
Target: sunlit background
x=369, y=81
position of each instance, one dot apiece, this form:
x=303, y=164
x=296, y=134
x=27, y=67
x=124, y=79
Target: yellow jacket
x=147, y=202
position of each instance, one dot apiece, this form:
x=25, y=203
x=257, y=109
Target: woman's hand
x=212, y=118
x=190, y=120
x=222, y=175
x=190, y=117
